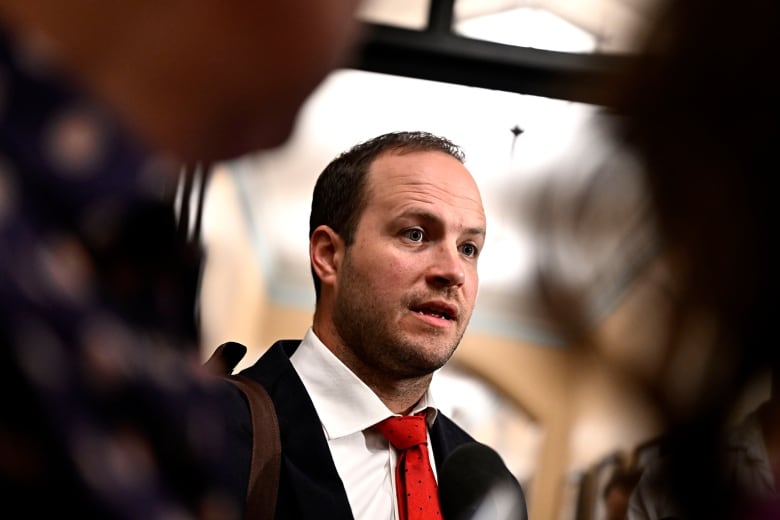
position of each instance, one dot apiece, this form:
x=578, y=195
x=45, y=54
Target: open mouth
x=435, y=314
x=441, y=312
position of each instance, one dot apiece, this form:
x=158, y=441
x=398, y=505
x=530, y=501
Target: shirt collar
x=344, y=403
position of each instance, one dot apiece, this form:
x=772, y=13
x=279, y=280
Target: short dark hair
x=339, y=195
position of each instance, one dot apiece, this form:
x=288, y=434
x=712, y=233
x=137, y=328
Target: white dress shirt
x=348, y=409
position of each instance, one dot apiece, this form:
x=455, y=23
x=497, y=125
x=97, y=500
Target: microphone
x=475, y=484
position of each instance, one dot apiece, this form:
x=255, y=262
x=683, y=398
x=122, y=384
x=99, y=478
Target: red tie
x=418, y=497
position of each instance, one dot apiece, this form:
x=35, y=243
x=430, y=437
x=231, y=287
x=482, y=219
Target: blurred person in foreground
x=106, y=410
x=699, y=110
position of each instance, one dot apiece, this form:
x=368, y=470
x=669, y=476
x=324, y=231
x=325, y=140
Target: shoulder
x=273, y=364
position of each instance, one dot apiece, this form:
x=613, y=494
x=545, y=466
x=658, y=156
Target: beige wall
x=537, y=378
x=232, y=294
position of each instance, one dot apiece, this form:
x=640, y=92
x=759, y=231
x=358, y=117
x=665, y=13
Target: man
x=105, y=409
x=396, y=229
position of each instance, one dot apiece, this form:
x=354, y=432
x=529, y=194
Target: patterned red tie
x=418, y=496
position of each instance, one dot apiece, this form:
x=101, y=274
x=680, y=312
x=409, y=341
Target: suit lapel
x=445, y=437
x=310, y=486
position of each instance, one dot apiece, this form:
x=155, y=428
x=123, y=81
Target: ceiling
x=613, y=23
x=559, y=153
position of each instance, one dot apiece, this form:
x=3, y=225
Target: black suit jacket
x=309, y=485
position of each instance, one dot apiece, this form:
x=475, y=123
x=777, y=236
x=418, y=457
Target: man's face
x=408, y=283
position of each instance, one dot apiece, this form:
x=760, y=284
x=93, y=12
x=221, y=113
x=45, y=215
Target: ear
x=326, y=249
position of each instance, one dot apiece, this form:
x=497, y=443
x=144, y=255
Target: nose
x=447, y=267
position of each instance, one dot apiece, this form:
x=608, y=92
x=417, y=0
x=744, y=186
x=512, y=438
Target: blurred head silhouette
x=207, y=80
x=699, y=110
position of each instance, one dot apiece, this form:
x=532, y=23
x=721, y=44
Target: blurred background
x=512, y=83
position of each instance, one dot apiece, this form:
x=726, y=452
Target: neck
x=398, y=393
x=400, y=397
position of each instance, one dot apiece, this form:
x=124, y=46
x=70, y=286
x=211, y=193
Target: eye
x=469, y=250
x=414, y=234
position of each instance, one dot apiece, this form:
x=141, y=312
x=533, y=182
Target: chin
x=436, y=359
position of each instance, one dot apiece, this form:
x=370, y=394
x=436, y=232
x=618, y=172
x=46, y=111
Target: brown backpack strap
x=266, y=450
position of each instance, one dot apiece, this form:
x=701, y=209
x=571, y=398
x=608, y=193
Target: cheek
x=387, y=268
x=377, y=271
x=471, y=287
x=393, y=274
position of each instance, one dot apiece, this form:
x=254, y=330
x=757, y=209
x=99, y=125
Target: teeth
x=436, y=314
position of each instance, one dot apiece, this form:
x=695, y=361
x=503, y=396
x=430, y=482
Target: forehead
x=424, y=178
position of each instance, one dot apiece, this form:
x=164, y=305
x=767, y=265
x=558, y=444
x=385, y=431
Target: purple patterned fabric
x=105, y=409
